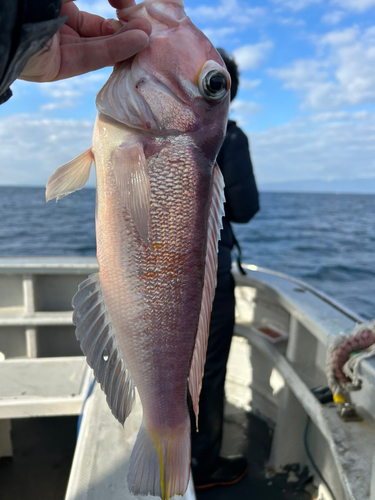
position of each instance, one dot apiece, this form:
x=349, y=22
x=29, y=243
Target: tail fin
x=160, y=466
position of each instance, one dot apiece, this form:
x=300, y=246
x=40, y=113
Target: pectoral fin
x=213, y=236
x=130, y=170
x=70, y=177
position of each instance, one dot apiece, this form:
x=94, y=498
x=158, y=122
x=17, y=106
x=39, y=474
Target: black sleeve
x=241, y=193
x=25, y=27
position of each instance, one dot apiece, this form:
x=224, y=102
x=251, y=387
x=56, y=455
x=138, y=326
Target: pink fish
x=143, y=319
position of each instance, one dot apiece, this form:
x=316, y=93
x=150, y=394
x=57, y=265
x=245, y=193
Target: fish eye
x=214, y=86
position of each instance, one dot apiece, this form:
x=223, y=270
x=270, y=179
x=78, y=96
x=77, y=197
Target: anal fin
x=213, y=236
x=98, y=343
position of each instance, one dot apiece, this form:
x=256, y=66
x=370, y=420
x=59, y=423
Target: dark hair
x=232, y=68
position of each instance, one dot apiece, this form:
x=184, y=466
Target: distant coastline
x=347, y=186
x=313, y=186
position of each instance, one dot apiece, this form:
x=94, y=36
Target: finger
x=121, y=4
x=83, y=23
x=108, y=27
x=67, y=30
x=77, y=59
x=111, y=26
x=68, y=35
x=90, y=25
x=136, y=24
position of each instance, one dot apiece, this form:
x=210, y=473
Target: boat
x=276, y=371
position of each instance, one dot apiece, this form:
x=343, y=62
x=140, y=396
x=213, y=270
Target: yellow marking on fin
x=168, y=466
x=161, y=465
x=165, y=488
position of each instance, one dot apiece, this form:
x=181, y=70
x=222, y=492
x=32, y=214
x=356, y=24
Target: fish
x=143, y=320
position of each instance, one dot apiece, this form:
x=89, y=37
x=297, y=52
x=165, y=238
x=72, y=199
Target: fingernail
x=122, y=30
x=112, y=26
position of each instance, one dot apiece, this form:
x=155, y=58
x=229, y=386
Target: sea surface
x=326, y=240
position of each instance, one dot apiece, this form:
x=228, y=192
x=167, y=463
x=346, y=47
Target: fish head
x=177, y=84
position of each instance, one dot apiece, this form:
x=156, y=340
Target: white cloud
x=303, y=75
x=243, y=111
x=230, y=11
x=338, y=116
x=66, y=93
x=290, y=21
x=355, y=5
x=343, y=74
x=324, y=145
x=218, y=35
x=51, y=106
x=335, y=146
x=296, y=4
x=249, y=84
x=250, y=57
x=333, y=17
x=77, y=85
x=339, y=37
x=31, y=148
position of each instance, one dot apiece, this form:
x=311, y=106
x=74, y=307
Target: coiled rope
x=344, y=357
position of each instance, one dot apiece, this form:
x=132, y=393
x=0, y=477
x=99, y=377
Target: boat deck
x=44, y=448
x=43, y=453
x=245, y=433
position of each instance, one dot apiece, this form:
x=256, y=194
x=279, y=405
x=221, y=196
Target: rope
x=343, y=358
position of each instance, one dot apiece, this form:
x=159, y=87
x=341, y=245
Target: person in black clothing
x=242, y=203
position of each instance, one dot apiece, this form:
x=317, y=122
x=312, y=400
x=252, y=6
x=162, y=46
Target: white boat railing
x=42, y=370
x=343, y=451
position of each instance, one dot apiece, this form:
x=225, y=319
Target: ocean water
x=326, y=240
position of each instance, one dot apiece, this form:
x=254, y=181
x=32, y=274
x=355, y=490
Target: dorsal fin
x=98, y=343
x=213, y=236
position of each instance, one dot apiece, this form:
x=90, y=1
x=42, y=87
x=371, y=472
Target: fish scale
x=159, y=291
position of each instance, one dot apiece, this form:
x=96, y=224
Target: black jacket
x=25, y=27
x=241, y=193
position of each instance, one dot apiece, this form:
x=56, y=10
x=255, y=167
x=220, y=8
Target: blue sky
x=306, y=96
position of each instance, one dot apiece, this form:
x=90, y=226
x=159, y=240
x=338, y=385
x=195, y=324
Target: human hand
x=86, y=42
